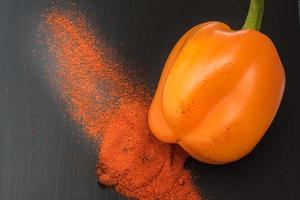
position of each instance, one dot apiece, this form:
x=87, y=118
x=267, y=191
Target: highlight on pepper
x=219, y=90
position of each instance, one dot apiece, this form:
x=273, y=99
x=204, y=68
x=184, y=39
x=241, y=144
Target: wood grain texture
x=44, y=155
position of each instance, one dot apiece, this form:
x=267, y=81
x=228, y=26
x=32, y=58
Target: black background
x=44, y=155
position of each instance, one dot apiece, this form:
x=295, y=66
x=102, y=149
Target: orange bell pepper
x=219, y=90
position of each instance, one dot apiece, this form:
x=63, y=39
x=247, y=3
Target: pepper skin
x=218, y=93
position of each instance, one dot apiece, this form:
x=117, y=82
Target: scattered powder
x=102, y=99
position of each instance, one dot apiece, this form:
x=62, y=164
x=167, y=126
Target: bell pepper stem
x=255, y=14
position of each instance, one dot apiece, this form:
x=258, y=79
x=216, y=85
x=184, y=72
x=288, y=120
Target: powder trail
x=102, y=99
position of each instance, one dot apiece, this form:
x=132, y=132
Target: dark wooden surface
x=44, y=155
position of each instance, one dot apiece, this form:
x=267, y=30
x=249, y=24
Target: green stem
x=255, y=14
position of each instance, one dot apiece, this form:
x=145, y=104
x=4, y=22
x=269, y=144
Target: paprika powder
x=106, y=102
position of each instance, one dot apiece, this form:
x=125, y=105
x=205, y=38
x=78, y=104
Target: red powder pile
x=101, y=98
